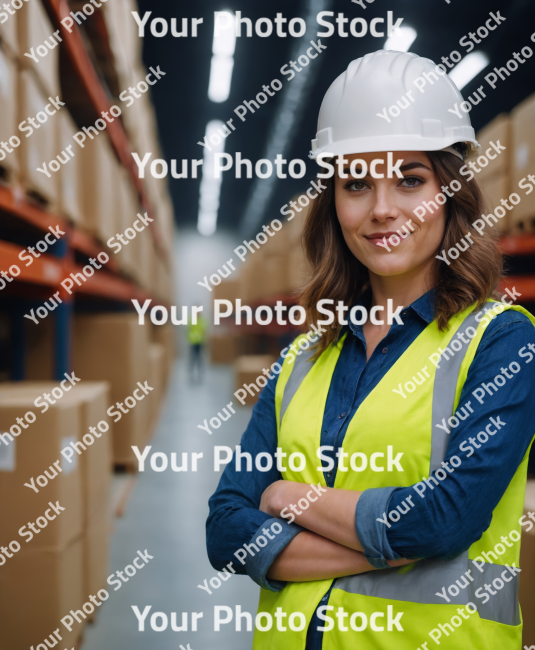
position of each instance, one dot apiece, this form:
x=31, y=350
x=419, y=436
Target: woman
x=415, y=434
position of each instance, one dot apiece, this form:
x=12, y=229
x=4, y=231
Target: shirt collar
x=424, y=307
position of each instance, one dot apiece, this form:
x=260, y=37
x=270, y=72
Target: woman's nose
x=385, y=206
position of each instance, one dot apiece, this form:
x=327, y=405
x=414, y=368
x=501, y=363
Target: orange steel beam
x=45, y=270
x=524, y=285
x=519, y=244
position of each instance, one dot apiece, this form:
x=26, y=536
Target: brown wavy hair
x=338, y=275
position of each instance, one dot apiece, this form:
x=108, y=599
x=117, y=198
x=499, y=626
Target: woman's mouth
x=382, y=238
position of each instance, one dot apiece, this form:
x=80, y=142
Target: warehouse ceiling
x=183, y=108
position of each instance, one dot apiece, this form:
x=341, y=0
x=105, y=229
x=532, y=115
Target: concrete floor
x=167, y=511
x=166, y=515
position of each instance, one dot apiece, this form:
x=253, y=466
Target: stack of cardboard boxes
x=501, y=177
x=91, y=189
x=495, y=178
x=37, y=82
x=57, y=511
x=113, y=348
x=523, y=162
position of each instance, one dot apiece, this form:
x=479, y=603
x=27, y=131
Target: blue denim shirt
x=444, y=524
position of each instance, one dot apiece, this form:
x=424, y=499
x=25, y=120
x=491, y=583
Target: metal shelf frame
x=48, y=271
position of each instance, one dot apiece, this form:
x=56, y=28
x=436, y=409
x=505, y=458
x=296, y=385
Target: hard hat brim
x=391, y=143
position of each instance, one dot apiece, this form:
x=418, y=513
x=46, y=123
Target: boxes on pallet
x=499, y=130
x=34, y=454
x=9, y=163
x=526, y=592
x=248, y=369
x=34, y=28
x=40, y=147
x=114, y=348
x=95, y=544
x=69, y=203
x=98, y=171
x=523, y=160
x=31, y=608
x=157, y=381
x=224, y=347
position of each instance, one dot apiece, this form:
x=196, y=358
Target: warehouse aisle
x=167, y=511
x=166, y=515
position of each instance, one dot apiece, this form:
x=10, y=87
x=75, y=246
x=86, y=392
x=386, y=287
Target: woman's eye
x=411, y=181
x=356, y=186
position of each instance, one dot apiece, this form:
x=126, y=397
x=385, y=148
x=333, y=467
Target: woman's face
x=370, y=209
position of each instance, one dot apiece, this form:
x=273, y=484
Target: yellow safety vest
x=408, y=425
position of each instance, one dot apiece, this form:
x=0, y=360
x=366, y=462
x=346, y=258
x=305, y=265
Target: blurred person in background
x=370, y=543
x=196, y=340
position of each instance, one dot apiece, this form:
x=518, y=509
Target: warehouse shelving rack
x=42, y=278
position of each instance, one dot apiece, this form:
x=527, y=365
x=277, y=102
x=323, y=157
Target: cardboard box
x=123, y=38
x=40, y=147
x=526, y=592
x=96, y=463
x=114, y=348
x=523, y=159
x=38, y=588
x=29, y=455
x=252, y=277
x=276, y=276
x=497, y=130
x=224, y=347
x=495, y=188
x=127, y=208
x=8, y=110
x=228, y=290
x=98, y=170
x=157, y=381
x=145, y=269
x=70, y=197
x=248, y=369
x=96, y=552
x=34, y=29
x=9, y=37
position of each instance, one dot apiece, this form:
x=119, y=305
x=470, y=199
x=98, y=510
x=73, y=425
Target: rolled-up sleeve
x=259, y=559
x=447, y=520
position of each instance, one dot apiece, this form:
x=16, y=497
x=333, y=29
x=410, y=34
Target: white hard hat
x=349, y=123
